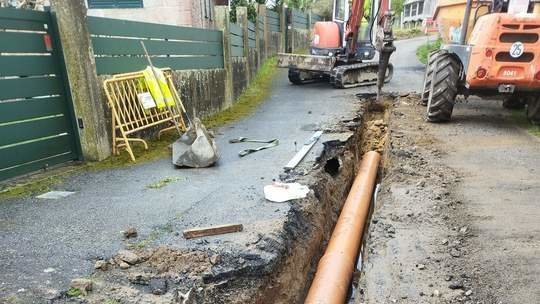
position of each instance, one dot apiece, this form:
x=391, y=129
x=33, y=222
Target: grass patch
x=400, y=33
x=422, y=52
x=31, y=187
x=163, y=182
x=248, y=101
x=521, y=120
x=73, y=292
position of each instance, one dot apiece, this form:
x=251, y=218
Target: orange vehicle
x=502, y=58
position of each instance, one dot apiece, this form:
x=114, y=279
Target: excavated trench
x=312, y=220
x=294, y=252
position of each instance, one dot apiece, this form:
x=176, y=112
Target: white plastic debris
x=55, y=194
x=282, y=192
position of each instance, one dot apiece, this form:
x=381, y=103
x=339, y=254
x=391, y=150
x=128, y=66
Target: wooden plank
x=125, y=28
x=252, y=35
x=20, y=42
x=22, y=25
x=214, y=230
x=30, y=87
x=32, y=108
x=119, y=46
x=115, y=65
x=28, y=65
x=36, y=150
x=22, y=14
x=235, y=29
x=303, y=151
x=33, y=129
x=251, y=26
x=273, y=22
x=237, y=51
x=37, y=165
x=237, y=41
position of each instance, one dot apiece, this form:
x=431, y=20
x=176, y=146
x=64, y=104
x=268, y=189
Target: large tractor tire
x=533, y=110
x=513, y=102
x=443, y=87
x=427, y=78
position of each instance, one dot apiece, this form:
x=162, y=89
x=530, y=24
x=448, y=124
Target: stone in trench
x=436, y=293
x=214, y=259
x=128, y=256
x=421, y=266
x=456, y=285
x=158, y=286
x=131, y=232
x=139, y=278
x=101, y=264
x=84, y=285
x=468, y=293
x=455, y=253
x=123, y=265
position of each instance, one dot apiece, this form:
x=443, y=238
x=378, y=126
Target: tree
x=397, y=6
x=251, y=7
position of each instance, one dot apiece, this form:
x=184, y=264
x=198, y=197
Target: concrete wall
x=172, y=12
x=240, y=75
x=201, y=90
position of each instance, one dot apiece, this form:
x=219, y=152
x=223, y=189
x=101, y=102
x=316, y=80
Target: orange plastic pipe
x=336, y=266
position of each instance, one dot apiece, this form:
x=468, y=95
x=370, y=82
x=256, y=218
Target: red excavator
x=339, y=55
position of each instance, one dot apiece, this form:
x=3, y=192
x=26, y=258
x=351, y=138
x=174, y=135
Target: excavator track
x=358, y=74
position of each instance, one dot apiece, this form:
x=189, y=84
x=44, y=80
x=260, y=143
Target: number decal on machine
x=509, y=73
x=516, y=49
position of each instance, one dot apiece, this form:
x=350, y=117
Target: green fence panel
x=28, y=65
x=252, y=35
x=124, y=28
x=299, y=20
x=126, y=64
x=274, y=24
x=237, y=40
x=118, y=50
x=36, y=124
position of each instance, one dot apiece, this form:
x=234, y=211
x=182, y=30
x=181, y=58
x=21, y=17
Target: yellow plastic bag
x=154, y=85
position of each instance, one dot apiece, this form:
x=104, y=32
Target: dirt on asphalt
x=457, y=219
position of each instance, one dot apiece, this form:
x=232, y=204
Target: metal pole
x=465, y=23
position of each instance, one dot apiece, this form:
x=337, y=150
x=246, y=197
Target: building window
x=413, y=10
x=420, y=7
x=407, y=10
x=115, y=3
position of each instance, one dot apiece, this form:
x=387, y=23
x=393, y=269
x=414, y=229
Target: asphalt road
x=46, y=243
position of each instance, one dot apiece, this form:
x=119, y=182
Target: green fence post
x=83, y=82
x=222, y=23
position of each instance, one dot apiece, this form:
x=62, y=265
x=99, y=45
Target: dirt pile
x=418, y=233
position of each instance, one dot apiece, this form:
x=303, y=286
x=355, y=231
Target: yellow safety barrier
x=133, y=110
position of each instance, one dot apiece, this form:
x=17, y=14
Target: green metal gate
x=36, y=125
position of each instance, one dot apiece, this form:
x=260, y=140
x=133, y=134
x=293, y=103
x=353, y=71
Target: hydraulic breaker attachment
x=385, y=45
